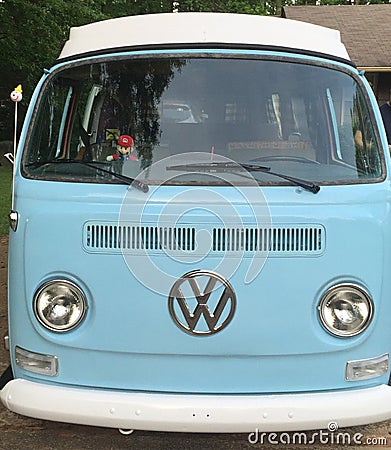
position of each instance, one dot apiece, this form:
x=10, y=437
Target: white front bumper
x=198, y=413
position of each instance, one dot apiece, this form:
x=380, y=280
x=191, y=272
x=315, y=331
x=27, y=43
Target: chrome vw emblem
x=202, y=302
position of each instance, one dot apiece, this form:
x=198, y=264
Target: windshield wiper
x=93, y=164
x=132, y=181
x=217, y=167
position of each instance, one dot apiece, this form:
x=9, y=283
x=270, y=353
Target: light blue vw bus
x=201, y=231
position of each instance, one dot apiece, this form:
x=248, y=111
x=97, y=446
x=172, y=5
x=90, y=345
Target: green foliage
x=231, y=6
x=5, y=197
x=31, y=37
x=119, y=8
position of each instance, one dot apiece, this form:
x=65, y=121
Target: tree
x=231, y=6
x=31, y=36
x=118, y=8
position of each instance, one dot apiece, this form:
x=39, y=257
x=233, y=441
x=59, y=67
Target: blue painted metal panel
x=275, y=342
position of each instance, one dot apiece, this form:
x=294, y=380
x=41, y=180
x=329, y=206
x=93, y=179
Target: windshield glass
x=300, y=120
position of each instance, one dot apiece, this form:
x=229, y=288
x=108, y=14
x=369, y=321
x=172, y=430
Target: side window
x=273, y=112
x=366, y=150
x=236, y=111
x=355, y=141
x=290, y=115
x=299, y=112
x=51, y=129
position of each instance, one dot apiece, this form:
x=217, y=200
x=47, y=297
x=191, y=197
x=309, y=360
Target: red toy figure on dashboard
x=125, y=147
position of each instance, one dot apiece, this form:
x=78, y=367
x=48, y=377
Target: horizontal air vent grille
x=276, y=240
x=136, y=237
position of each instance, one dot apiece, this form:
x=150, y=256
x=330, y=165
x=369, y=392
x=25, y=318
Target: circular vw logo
x=202, y=302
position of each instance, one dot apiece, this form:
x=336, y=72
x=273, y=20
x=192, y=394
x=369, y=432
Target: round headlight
x=345, y=310
x=59, y=305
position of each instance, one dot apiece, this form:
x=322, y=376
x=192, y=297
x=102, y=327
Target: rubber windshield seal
x=206, y=46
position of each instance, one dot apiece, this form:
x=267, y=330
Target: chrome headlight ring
x=59, y=305
x=346, y=310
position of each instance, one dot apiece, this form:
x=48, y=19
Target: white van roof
x=154, y=30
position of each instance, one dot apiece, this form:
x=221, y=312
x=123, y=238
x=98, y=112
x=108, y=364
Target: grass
x=5, y=196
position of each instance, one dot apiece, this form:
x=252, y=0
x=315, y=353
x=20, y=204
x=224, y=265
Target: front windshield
x=126, y=114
